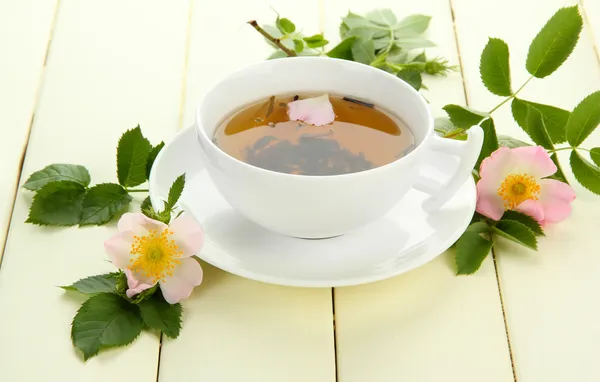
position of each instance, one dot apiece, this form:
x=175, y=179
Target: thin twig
x=274, y=40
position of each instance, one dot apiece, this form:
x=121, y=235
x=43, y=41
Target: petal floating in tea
x=316, y=111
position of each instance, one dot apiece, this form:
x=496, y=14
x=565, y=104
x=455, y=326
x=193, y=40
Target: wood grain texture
x=237, y=329
x=429, y=324
x=112, y=65
x=550, y=296
x=25, y=29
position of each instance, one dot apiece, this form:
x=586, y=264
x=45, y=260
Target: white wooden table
x=74, y=74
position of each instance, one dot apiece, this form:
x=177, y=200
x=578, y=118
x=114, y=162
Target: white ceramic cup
x=326, y=206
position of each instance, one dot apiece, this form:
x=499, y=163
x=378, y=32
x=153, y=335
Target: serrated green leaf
x=315, y=41
x=366, y=33
x=510, y=142
x=446, y=129
x=103, y=202
x=411, y=77
x=517, y=232
x=490, y=141
x=103, y=321
x=344, y=29
x=526, y=220
x=105, y=283
x=343, y=50
x=298, y=45
x=595, y=155
x=57, y=172
x=472, y=248
x=410, y=43
x=585, y=172
x=462, y=117
x=383, y=17
x=555, y=42
x=175, y=192
x=352, y=20
x=285, y=26
x=413, y=24
x=146, y=203
x=559, y=174
x=584, y=119
x=313, y=38
x=132, y=155
x=363, y=51
x=555, y=119
x=494, y=67
x=57, y=203
x=152, y=157
x=160, y=315
x=536, y=129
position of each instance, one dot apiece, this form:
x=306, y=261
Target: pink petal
x=532, y=208
x=188, y=234
x=534, y=161
x=135, y=286
x=118, y=248
x=556, y=198
x=316, y=111
x=489, y=203
x=499, y=164
x=139, y=223
x=185, y=277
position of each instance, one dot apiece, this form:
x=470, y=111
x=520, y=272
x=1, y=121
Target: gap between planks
x=493, y=253
x=40, y=83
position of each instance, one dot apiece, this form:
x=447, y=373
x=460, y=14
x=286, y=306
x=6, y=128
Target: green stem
x=568, y=148
x=138, y=190
x=511, y=97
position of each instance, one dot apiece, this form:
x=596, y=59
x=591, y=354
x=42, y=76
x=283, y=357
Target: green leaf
x=152, y=157
x=145, y=294
x=510, y=142
x=595, y=155
x=383, y=17
x=132, y=156
x=57, y=203
x=559, y=174
x=410, y=43
x=146, y=204
x=517, y=232
x=445, y=128
x=277, y=54
x=57, y=172
x=495, y=68
x=343, y=50
x=585, y=172
x=472, y=248
x=490, y=141
x=160, y=315
x=103, y=321
x=555, y=119
x=315, y=41
x=298, y=45
x=366, y=33
x=313, y=38
x=175, y=192
x=411, y=77
x=526, y=220
x=103, y=202
x=555, y=42
x=463, y=117
x=584, y=119
x=105, y=283
x=531, y=121
x=352, y=20
x=420, y=58
x=363, y=51
x=285, y=25
x=413, y=24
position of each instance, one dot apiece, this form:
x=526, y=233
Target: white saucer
x=406, y=238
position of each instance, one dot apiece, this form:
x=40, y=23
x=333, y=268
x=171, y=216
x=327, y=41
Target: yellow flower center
x=517, y=188
x=154, y=255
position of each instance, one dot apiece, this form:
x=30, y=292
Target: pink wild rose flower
x=514, y=179
x=150, y=252
x=317, y=111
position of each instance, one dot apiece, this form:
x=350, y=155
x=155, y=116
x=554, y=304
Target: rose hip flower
x=513, y=179
x=150, y=252
x=316, y=111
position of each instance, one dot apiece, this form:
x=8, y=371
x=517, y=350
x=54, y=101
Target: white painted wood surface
x=550, y=297
x=237, y=329
x=24, y=36
x=112, y=65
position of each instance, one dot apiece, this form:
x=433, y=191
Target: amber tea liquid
x=360, y=138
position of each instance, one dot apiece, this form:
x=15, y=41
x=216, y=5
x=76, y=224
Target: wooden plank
x=25, y=29
x=427, y=325
x=591, y=13
x=237, y=329
x=550, y=296
x=112, y=65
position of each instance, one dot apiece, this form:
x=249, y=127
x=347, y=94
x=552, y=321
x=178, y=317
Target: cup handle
x=467, y=151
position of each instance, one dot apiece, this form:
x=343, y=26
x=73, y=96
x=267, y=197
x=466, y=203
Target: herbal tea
x=325, y=135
